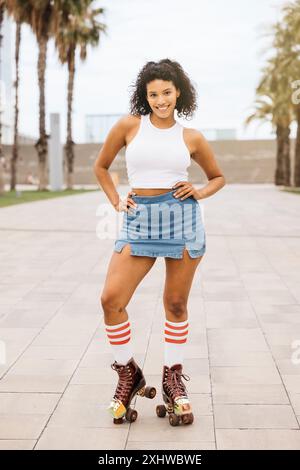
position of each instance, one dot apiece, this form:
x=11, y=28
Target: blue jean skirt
x=163, y=226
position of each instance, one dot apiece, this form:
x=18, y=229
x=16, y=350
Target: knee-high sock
x=175, y=334
x=119, y=337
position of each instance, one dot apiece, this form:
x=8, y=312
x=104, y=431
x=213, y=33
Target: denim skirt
x=163, y=226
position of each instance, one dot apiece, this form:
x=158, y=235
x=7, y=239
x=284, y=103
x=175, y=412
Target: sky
x=222, y=46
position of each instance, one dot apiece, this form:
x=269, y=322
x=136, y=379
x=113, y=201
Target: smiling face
x=162, y=96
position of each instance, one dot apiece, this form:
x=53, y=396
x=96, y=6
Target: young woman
x=161, y=218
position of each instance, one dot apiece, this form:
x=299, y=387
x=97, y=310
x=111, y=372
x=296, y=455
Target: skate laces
x=174, y=383
x=124, y=383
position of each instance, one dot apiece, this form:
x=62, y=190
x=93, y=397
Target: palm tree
x=13, y=167
x=273, y=104
x=42, y=17
x=39, y=14
x=19, y=11
x=1, y=149
x=76, y=26
x=292, y=62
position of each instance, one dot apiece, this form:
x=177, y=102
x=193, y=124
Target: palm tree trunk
x=69, y=151
x=1, y=149
x=286, y=156
x=15, y=149
x=280, y=163
x=297, y=151
x=42, y=143
x=2, y=182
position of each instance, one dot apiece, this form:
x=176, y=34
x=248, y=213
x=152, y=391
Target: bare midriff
x=150, y=191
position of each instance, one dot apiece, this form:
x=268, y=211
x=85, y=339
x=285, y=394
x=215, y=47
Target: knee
x=177, y=306
x=111, y=305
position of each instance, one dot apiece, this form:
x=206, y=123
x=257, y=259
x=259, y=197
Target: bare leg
x=179, y=278
x=124, y=274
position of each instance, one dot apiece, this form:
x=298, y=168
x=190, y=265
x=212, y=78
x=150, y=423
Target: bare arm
x=112, y=145
x=204, y=156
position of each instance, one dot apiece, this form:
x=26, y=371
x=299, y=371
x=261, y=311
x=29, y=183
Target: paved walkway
x=244, y=313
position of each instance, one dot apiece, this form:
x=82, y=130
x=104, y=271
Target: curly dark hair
x=168, y=70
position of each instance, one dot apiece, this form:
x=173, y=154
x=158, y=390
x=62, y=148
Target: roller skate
x=174, y=394
x=131, y=382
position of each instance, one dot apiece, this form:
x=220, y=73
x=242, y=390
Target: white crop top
x=157, y=158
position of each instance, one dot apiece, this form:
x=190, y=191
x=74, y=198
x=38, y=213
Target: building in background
x=219, y=134
x=97, y=127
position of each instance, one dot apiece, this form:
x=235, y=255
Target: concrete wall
x=242, y=161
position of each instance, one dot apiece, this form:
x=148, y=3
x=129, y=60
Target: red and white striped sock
x=119, y=337
x=176, y=334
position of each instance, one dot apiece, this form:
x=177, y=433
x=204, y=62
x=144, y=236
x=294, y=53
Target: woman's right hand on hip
x=126, y=203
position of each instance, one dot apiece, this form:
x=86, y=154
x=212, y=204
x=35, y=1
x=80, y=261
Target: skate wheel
x=118, y=420
x=161, y=411
x=187, y=418
x=150, y=392
x=174, y=419
x=131, y=415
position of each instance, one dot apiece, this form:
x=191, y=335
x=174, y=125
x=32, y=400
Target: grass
x=292, y=190
x=11, y=198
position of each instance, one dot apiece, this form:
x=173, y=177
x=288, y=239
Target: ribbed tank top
x=157, y=158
